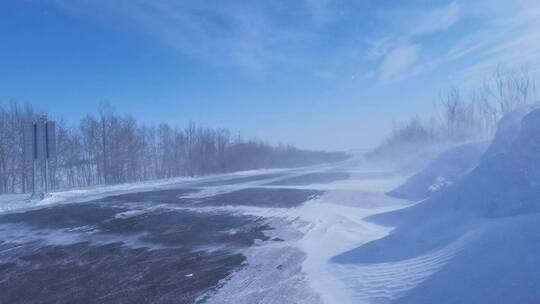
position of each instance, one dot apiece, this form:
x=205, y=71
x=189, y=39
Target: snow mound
x=456, y=162
x=504, y=183
x=387, y=281
x=507, y=131
x=443, y=171
x=507, y=183
x=495, y=207
x=499, y=266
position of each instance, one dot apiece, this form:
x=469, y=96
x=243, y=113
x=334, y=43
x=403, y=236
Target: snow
x=295, y=270
x=508, y=130
x=387, y=281
x=444, y=170
x=18, y=202
x=455, y=162
x=299, y=269
x=500, y=265
x=503, y=184
x=129, y=214
x=20, y=234
x=473, y=240
x=476, y=241
x=13, y=202
x=334, y=229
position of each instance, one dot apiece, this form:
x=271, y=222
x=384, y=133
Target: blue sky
x=314, y=73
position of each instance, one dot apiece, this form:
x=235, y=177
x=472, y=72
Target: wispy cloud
x=327, y=37
x=509, y=35
x=441, y=18
x=247, y=35
x=398, y=61
x=398, y=52
x=497, y=33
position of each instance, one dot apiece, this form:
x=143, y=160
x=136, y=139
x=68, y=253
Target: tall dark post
x=29, y=138
x=50, y=135
x=39, y=151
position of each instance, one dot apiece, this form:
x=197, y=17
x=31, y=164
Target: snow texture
x=492, y=213
x=298, y=269
x=474, y=240
x=508, y=131
x=443, y=171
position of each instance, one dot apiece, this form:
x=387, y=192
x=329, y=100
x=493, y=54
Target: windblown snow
x=473, y=241
x=472, y=238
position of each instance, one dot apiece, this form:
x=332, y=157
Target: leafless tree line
x=108, y=148
x=460, y=118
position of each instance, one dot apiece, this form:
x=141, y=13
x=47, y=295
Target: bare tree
x=509, y=89
x=460, y=119
x=109, y=148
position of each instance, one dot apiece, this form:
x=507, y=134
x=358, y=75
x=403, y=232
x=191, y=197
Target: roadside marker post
x=39, y=151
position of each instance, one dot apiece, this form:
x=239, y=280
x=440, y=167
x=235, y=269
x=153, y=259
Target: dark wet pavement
x=262, y=197
x=237, y=180
x=311, y=178
x=131, y=248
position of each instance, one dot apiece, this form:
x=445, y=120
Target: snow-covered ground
x=299, y=269
x=443, y=171
x=474, y=241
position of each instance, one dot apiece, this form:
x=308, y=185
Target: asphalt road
x=166, y=246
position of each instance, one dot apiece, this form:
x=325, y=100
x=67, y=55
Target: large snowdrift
x=476, y=241
x=455, y=162
x=443, y=171
x=507, y=131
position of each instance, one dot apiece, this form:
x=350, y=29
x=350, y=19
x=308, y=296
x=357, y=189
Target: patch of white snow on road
x=297, y=269
x=333, y=229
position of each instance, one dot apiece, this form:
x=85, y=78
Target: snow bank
x=492, y=213
x=503, y=184
x=499, y=266
x=455, y=162
x=506, y=183
x=507, y=131
x=443, y=171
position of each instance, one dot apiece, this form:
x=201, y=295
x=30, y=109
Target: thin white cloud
x=413, y=24
x=499, y=33
x=397, y=53
x=398, y=61
x=510, y=36
x=441, y=18
x=259, y=36
x=246, y=35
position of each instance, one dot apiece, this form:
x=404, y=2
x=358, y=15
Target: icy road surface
x=253, y=237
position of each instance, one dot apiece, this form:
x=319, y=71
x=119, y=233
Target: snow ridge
x=384, y=282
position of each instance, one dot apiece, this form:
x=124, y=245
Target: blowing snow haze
x=269, y=152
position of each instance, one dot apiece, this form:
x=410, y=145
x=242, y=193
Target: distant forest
x=108, y=148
